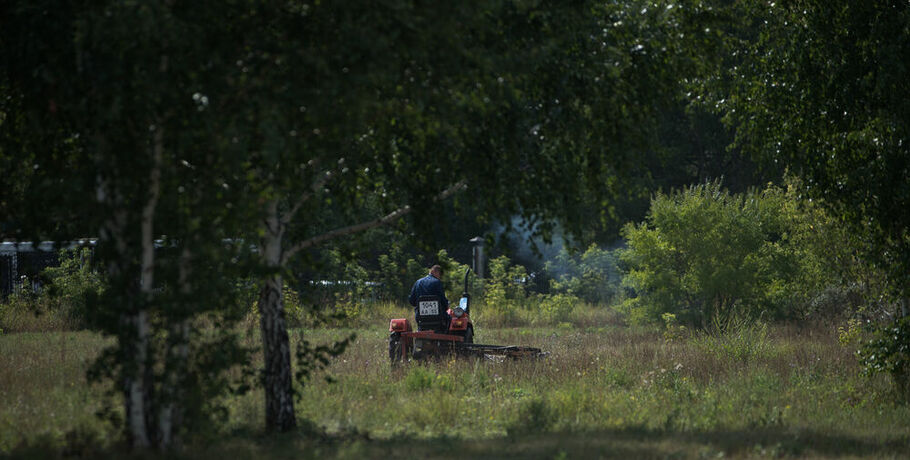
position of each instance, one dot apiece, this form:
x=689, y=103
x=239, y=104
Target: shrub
x=73, y=283
x=394, y=275
x=62, y=303
x=703, y=251
x=556, y=308
x=294, y=311
x=889, y=352
x=672, y=329
x=504, y=288
x=850, y=334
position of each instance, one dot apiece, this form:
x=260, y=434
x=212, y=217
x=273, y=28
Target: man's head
x=436, y=271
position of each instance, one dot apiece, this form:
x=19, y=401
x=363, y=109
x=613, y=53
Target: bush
x=703, y=252
x=504, y=289
x=556, y=308
x=889, y=352
x=672, y=329
x=62, y=303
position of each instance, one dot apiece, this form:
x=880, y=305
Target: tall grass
x=736, y=337
x=21, y=313
x=44, y=396
x=606, y=381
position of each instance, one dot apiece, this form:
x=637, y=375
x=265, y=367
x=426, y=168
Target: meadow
x=606, y=390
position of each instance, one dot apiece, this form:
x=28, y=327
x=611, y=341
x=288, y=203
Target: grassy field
x=604, y=391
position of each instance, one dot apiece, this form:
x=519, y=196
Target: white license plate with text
x=428, y=308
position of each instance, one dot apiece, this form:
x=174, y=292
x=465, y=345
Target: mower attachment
x=407, y=344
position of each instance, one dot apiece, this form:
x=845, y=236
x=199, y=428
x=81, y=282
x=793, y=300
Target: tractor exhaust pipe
x=478, y=255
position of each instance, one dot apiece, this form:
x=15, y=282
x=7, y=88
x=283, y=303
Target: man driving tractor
x=431, y=285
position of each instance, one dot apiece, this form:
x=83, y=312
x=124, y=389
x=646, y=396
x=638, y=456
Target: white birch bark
x=137, y=385
x=171, y=415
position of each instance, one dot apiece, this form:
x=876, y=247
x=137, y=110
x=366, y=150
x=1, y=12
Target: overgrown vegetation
x=58, y=300
x=799, y=395
x=705, y=253
x=889, y=352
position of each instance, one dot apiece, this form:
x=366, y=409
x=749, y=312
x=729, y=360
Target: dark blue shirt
x=428, y=285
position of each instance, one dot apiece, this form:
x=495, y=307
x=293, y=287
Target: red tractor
x=435, y=335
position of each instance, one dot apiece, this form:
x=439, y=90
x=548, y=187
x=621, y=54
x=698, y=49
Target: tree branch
x=363, y=226
x=317, y=185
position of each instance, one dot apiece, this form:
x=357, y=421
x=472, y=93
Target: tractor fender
x=460, y=324
x=399, y=325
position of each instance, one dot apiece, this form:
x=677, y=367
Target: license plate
x=428, y=308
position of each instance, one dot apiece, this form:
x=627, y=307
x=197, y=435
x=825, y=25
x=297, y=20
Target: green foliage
x=889, y=352
x=355, y=286
x=311, y=358
x=74, y=283
x=355, y=289
x=504, y=288
x=593, y=276
x=672, y=329
x=294, y=311
x=105, y=123
x=704, y=252
x=395, y=274
x=816, y=86
x=850, y=334
x=419, y=378
x=62, y=302
x=556, y=308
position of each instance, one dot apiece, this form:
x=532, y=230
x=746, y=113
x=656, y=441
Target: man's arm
x=412, y=299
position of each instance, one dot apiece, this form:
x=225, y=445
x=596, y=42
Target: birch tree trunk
x=279, y=397
x=171, y=416
x=134, y=335
x=133, y=325
x=133, y=338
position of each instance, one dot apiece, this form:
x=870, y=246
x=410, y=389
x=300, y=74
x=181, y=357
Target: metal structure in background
x=478, y=255
x=21, y=261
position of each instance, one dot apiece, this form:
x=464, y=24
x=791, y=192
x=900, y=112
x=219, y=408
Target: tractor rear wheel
x=395, y=348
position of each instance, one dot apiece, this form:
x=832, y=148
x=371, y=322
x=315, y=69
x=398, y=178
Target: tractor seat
x=430, y=315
